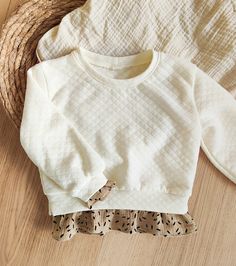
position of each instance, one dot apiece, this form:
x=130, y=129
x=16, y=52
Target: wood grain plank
x=4, y=6
x=13, y=5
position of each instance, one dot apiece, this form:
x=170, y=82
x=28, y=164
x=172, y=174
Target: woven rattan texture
x=19, y=37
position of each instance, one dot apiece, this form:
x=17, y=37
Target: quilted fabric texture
x=138, y=120
x=201, y=31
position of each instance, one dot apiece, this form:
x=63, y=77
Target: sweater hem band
x=63, y=203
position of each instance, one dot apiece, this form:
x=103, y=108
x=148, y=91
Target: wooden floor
x=25, y=226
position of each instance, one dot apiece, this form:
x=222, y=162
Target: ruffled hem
x=100, y=222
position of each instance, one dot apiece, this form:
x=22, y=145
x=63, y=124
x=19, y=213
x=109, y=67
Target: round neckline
x=86, y=58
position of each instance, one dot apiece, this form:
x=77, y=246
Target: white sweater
x=202, y=31
x=138, y=120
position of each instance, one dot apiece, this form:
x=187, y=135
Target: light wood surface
x=25, y=226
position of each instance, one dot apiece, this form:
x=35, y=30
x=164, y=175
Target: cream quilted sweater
x=201, y=31
x=138, y=120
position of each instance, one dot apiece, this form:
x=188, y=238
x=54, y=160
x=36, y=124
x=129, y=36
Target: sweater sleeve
x=217, y=117
x=55, y=146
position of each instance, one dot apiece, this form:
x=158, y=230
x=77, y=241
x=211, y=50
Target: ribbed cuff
x=91, y=187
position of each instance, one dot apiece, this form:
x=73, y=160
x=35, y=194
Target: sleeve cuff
x=90, y=188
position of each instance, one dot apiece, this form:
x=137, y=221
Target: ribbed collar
x=87, y=58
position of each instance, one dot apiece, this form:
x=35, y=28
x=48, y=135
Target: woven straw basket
x=18, y=41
